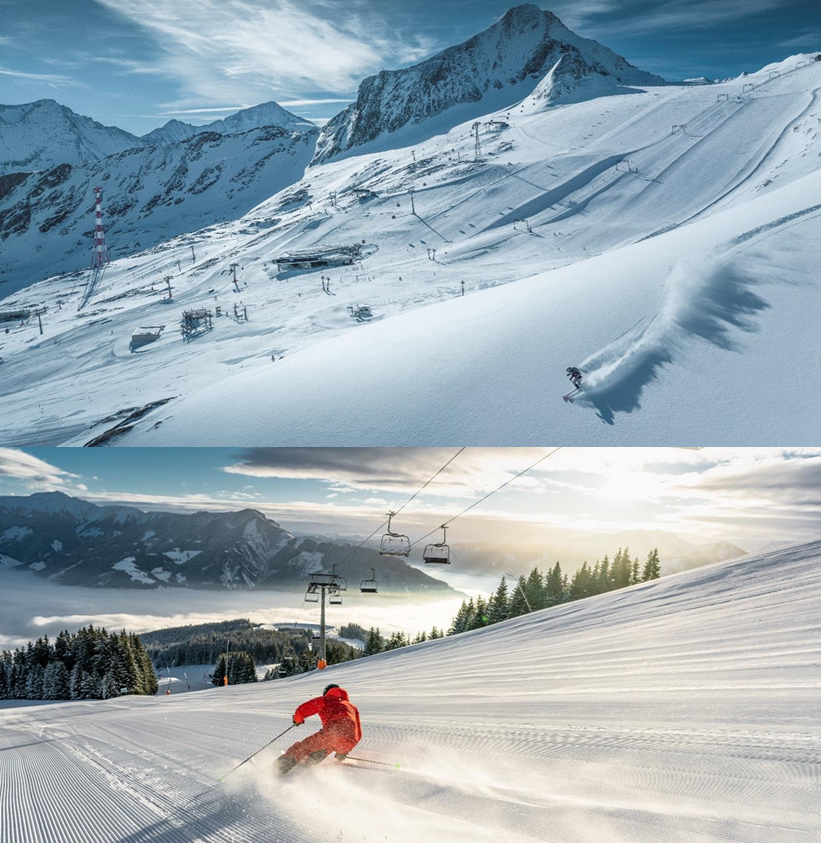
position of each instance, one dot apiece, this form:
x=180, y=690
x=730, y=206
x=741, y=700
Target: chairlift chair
x=394, y=544
x=438, y=553
x=369, y=586
x=335, y=598
x=312, y=597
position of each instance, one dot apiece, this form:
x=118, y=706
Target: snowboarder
x=575, y=376
x=340, y=731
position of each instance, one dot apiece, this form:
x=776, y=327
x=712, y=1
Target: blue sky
x=138, y=63
x=750, y=496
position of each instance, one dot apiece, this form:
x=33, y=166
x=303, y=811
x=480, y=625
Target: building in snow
x=146, y=334
x=319, y=258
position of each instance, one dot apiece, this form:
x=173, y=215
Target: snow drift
x=709, y=300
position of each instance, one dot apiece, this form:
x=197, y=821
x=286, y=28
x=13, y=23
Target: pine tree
x=535, y=590
x=480, y=617
x=580, y=585
x=76, y=683
x=652, y=567
x=554, y=586
x=56, y=682
x=620, y=572
x=499, y=608
x=108, y=686
x=604, y=576
x=89, y=686
x=375, y=643
x=220, y=671
x=396, y=641
x=460, y=620
x=518, y=600
x=635, y=575
x=435, y=633
x=34, y=683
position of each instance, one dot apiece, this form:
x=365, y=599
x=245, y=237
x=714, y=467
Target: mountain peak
x=255, y=117
x=493, y=70
x=41, y=134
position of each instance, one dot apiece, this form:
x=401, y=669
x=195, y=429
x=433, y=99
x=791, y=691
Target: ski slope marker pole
x=293, y=725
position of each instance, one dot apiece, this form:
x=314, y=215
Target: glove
x=298, y=722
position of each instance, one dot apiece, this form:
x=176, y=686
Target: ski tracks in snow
x=709, y=300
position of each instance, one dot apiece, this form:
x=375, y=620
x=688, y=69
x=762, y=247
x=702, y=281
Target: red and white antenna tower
x=99, y=257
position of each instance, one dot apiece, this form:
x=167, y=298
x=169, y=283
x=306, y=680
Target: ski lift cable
x=422, y=489
x=489, y=494
x=384, y=523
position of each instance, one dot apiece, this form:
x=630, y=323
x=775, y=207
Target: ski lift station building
x=319, y=258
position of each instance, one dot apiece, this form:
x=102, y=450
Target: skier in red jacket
x=340, y=731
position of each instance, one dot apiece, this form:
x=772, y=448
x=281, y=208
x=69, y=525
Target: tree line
x=538, y=590
x=206, y=643
x=89, y=664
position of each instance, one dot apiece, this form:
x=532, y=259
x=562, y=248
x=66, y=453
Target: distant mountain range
x=493, y=70
x=39, y=135
x=73, y=542
x=150, y=193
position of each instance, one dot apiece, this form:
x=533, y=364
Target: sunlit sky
x=138, y=63
x=748, y=496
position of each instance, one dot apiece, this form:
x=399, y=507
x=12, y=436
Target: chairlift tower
x=321, y=585
x=233, y=267
x=99, y=255
x=477, y=149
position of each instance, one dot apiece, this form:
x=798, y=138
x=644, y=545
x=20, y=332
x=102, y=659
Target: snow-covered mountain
x=684, y=709
x=649, y=236
x=74, y=542
x=256, y=117
x=527, y=47
x=39, y=135
x=151, y=194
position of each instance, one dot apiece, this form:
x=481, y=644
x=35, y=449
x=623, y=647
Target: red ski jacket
x=337, y=713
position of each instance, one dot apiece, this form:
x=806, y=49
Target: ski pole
x=368, y=761
x=257, y=752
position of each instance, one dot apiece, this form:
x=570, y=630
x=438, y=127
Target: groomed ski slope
x=684, y=711
x=632, y=225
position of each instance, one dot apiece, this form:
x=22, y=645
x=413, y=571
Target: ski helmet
x=328, y=688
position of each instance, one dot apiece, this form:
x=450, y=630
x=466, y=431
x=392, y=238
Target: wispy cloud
x=210, y=110
x=677, y=15
x=810, y=39
x=52, y=79
x=37, y=474
x=250, y=49
x=297, y=103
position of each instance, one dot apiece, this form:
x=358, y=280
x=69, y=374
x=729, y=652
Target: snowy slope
x=683, y=710
x=39, y=135
x=490, y=71
x=151, y=194
x=678, y=269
